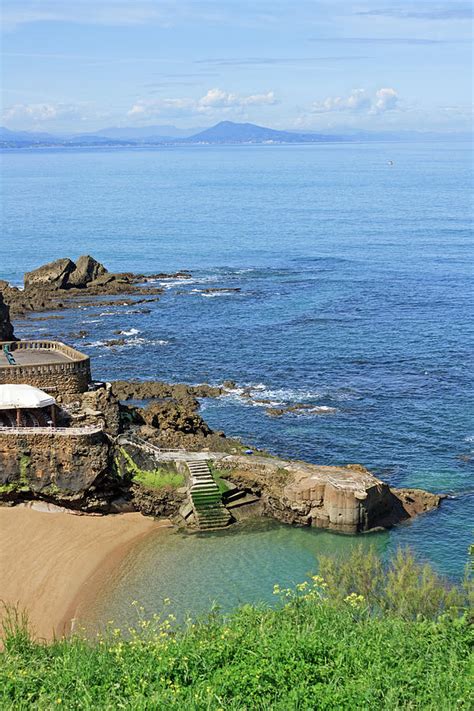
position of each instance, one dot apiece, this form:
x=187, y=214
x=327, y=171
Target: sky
x=81, y=65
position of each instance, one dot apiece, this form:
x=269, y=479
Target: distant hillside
x=142, y=133
x=230, y=132
x=24, y=136
x=225, y=132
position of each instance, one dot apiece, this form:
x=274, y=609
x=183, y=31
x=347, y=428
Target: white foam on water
x=259, y=395
x=131, y=332
x=322, y=409
x=131, y=342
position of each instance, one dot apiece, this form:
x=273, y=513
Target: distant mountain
x=146, y=132
x=24, y=136
x=230, y=132
x=225, y=132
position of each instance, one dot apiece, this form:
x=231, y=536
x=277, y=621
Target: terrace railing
x=68, y=431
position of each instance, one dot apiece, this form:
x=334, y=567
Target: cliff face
x=6, y=328
x=75, y=471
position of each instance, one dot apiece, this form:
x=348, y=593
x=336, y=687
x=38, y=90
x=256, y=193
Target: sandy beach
x=49, y=560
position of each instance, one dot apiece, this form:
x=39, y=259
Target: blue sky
x=79, y=65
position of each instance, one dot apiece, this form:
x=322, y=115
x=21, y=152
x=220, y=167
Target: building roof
x=23, y=397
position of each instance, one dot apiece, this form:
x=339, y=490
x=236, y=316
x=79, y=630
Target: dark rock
x=298, y=408
x=150, y=389
x=87, y=269
x=52, y=276
x=229, y=384
x=162, y=503
x=103, y=279
x=6, y=328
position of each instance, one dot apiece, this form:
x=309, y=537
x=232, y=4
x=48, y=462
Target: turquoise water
x=227, y=569
x=355, y=283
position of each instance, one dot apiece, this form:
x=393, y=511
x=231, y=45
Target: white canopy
x=23, y=397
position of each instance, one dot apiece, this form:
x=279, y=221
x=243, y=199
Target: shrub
x=404, y=587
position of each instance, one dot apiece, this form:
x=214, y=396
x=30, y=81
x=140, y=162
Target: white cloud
x=215, y=100
x=359, y=101
x=385, y=100
x=41, y=112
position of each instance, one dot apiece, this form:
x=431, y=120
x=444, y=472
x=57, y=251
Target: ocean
x=345, y=283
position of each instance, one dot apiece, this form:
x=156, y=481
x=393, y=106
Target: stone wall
x=69, y=469
x=57, y=378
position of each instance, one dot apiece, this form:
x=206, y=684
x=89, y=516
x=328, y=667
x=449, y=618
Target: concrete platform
x=35, y=357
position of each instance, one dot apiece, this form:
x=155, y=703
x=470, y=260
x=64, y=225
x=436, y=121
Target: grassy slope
x=317, y=650
x=302, y=657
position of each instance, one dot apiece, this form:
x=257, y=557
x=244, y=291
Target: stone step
x=205, y=487
x=204, y=504
x=186, y=510
x=205, y=492
x=247, y=499
x=221, y=520
x=233, y=495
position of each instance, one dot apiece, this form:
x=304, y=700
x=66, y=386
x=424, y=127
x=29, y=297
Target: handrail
x=71, y=431
x=139, y=442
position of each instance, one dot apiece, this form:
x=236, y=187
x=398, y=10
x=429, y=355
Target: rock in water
x=52, y=276
x=87, y=269
x=6, y=328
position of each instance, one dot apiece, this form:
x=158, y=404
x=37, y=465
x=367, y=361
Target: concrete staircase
x=206, y=499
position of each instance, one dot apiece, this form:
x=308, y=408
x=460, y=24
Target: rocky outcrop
x=150, y=389
x=174, y=416
x=300, y=408
x=51, y=276
x=345, y=499
x=6, y=328
x=54, y=285
x=96, y=406
x=87, y=270
x=171, y=419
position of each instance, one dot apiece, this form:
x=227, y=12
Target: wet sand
x=51, y=561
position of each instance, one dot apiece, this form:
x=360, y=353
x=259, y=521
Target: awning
x=23, y=397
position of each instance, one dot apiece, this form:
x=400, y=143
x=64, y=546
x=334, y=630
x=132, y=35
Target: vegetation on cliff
x=356, y=636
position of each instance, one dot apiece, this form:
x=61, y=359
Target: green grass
x=315, y=650
x=159, y=479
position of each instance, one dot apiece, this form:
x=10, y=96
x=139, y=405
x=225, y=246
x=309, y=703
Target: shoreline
x=59, y=561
